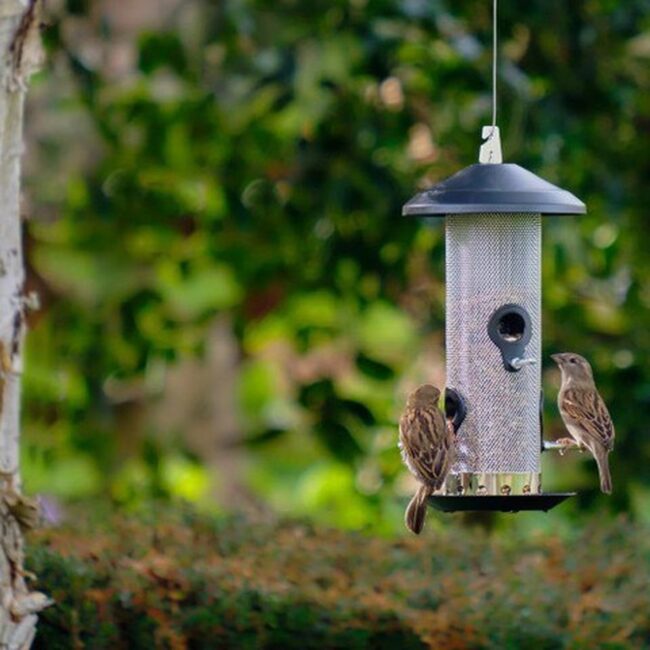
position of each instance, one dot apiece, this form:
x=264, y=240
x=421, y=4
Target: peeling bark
x=20, y=48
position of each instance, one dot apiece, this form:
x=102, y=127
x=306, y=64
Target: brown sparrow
x=426, y=440
x=584, y=413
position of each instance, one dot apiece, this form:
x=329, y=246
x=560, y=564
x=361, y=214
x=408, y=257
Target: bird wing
x=427, y=444
x=585, y=409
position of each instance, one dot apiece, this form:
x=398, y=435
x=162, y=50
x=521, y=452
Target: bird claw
x=566, y=443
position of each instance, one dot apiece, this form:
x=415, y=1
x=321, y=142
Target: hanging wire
x=495, y=50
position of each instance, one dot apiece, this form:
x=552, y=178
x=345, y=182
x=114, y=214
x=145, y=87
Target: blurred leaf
x=253, y=158
x=86, y=276
x=359, y=410
x=203, y=290
x=338, y=439
x=385, y=333
x=161, y=49
x=257, y=387
x=264, y=437
x=374, y=369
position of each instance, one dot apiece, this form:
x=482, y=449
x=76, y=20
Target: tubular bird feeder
x=493, y=223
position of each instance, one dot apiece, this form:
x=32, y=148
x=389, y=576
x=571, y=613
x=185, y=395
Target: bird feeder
x=493, y=231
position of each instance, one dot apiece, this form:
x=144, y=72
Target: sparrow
x=426, y=440
x=584, y=413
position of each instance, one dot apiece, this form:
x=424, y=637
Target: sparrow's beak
x=558, y=358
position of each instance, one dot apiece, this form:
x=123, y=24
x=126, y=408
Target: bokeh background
x=233, y=309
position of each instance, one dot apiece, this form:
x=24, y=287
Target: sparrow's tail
x=416, y=510
x=603, y=469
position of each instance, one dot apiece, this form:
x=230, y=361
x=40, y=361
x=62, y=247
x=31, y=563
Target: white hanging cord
x=490, y=151
x=495, y=51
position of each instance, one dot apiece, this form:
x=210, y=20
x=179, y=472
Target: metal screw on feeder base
x=493, y=216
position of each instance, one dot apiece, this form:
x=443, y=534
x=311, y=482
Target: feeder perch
x=493, y=230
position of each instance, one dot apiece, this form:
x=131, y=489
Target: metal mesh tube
x=493, y=260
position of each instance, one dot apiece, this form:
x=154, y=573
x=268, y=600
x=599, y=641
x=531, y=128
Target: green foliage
x=186, y=582
x=253, y=161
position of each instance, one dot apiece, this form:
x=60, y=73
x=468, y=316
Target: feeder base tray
x=515, y=503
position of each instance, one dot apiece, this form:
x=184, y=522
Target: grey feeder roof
x=490, y=188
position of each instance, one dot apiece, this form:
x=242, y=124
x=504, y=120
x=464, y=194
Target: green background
x=233, y=308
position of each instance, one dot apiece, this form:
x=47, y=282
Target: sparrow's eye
x=572, y=360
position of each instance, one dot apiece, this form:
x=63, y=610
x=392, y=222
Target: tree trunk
x=19, y=51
